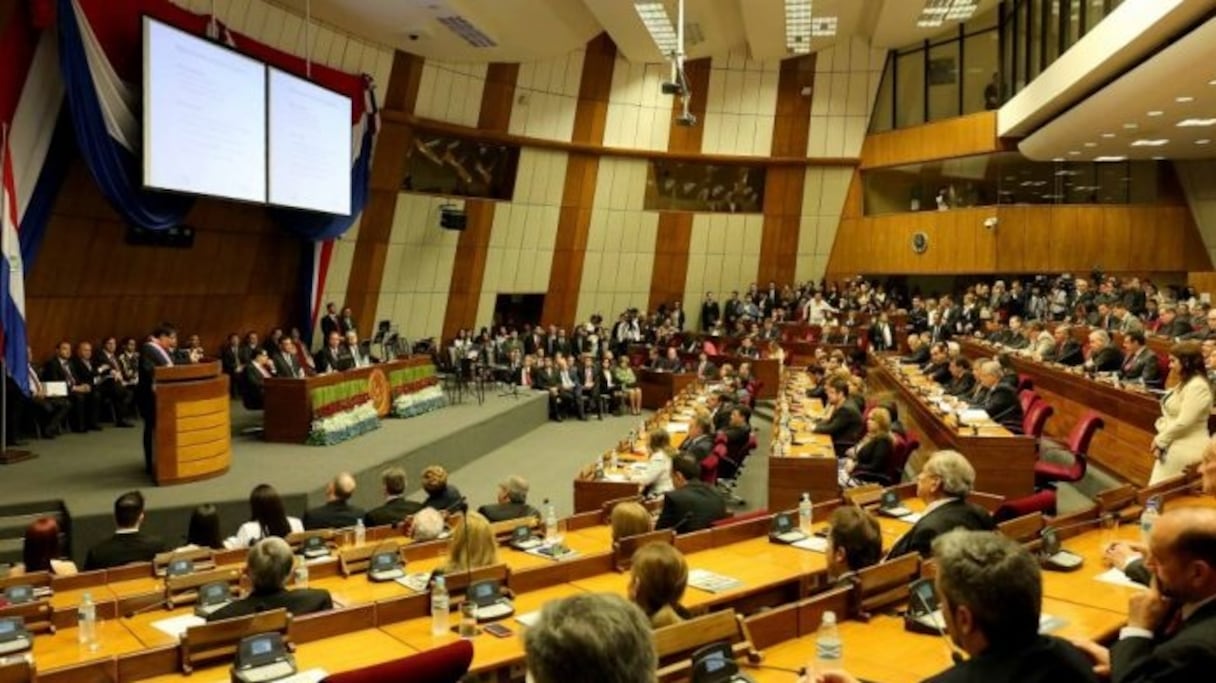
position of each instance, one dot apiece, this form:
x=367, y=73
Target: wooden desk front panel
x=790, y=477
x=193, y=429
x=288, y=402
x=660, y=387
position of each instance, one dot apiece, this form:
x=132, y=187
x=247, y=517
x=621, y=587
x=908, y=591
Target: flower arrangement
x=345, y=424
x=416, y=391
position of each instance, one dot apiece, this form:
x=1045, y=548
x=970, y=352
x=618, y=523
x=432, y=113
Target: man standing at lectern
x=157, y=352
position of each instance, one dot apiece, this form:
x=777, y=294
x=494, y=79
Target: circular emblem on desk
x=920, y=242
x=378, y=390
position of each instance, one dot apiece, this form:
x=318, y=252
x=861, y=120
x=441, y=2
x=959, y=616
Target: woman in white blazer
x=267, y=518
x=656, y=477
x=1182, y=429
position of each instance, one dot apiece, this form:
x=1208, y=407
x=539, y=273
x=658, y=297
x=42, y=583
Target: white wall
x=451, y=92
x=620, y=243
x=546, y=96
x=639, y=114
x=418, y=267
x=740, y=105
x=1196, y=178
x=724, y=255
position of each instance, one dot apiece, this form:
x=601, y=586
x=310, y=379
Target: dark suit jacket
x=335, y=514
x=918, y=357
x=710, y=314
x=1069, y=354
x=873, y=459
x=500, y=512
x=1002, y=405
x=285, y=366
x=392, y=512
x=254, y=389
x=53, y=371
x=1143, y=367
x=444, y=501
x=1184, y=657
x=1107, y=359
x=328, y=359
x=698, y=447
x=939, y=373
x=955, y=514
x=845, y=427
x=122, y=549
x=297, y=602
x=691, y=508
x=1178, y=328
x=329, y=324
x=722, y=417
x=961, y=386
x=1046, y=659
x=230, y=358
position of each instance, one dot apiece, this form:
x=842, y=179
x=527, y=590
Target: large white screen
x=204, y=116
x=310, y=145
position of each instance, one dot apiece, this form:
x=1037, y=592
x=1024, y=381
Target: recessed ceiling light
x=1108, y=135
x=1074, y=153
x=1131, y=126
x=1158, y=158
x=1091, y=144
x=1109, y=159
x=1150, y=143
x=1203, y=141
x=1184, y=99
x=1156, y=112
x=1058, y=159
x=1212, y=82
x=1196, y=123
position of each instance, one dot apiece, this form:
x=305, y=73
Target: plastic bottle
x=86, y=622
x=550, y=521
x=829, y=650
x=1148, y=518
x=360, y=532
x=302, y=575
x=439, y=607
x=804, y=514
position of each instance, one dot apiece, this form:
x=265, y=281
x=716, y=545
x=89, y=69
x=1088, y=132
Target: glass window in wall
x=910, y=89
x=982, y=87
x=689, y=186
x=448, y=165
x=1051, y=32
x=884, y=109
x=1035, y=11
x=943, y=80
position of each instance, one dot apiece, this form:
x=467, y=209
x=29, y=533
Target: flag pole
x=7, y=455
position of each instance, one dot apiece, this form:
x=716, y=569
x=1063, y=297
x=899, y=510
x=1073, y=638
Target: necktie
x=67, y=371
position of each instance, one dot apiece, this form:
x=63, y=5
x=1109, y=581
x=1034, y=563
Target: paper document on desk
x=910, y=518
x=528, y=618
x=676, y=427
x=176, y=626
x=1050, y=624
x=711, y=582
x=814, y=543
x=1115, y=576
x=973, y=415
x=310, y=676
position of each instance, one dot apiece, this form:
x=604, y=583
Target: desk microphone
x=748, y=663
x=164, y=603
x=955, y=655
x=1082, y=523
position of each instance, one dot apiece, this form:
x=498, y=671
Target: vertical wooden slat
x=673, y=239
x=388, y=172
x=784, y=185
x=469, y=268
x=578, y=191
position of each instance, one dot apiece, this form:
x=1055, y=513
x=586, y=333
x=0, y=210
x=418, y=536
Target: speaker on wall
x=452, y=218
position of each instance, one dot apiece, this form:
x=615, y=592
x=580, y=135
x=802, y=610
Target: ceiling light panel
x=798, y=26
x=938, y=12
x=467, y=31
x=662, y=32
x=1150, y=143
x=1196, y=123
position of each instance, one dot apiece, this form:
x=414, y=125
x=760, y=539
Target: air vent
x=467, y=31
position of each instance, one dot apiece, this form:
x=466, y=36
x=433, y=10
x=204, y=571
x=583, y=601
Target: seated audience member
x=919, y=351
x=1140, y=363
x=40, y=551
x=854, y=543
x=700, y=439
x=630, y=519
x=85, y=407
x=692, y=505
x=472, y=546
x=671, y=361
x=359, y=357
x=869, y=459
x=334, y=357
x=1103, y=356
x=50, y=412
x=719, y=404
x=427, y=525
x=1171, y=627
x=628, y=380
x=267, y=518
x=395, y=507
x=656, y=480
x=268, y=566
x=590, y=638
x=991, y=590
x=256, y=372
x=284, y=358
x=657, y=579
x=1016, y=338
x=943, y=484
x=997, y=398
x=1066, y=350
x=101, y=376
x=203, y=530
x=938, y=367
x=512, y=501
x=843, y=421
x=818, y=387
x=706, y=370
x=1041, y=341
x=337, y=512
x=963, y=379
x=747, y=349
x=441, y=495
x=128, y=544
x=607, y=385
x=1170, y=325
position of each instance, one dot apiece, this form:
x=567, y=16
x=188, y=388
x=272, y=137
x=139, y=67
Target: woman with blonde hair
x=869, y=459
x=656, y=478
x=440, y=495
x=472, y=545
x=657, y=581
x=630, y=519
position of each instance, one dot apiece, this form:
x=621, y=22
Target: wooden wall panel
x=1202, y=281
x=387, y=174
x=784, y=186
x=956, y=137
x=468, y=271
x=1028, y=239
x=87, y=283
x=578, y=192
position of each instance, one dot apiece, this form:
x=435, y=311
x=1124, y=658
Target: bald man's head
x=1182, y=554
x=342, y=487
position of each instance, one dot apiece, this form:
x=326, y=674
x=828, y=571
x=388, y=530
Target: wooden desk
x=658, y=388
x=1082, y=586
x=60, y=649
x=289, y=406
x=810, y=466
x=193, y=423
x=1004, y=463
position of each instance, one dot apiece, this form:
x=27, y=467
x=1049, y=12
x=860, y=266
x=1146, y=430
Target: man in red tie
x=524, y=377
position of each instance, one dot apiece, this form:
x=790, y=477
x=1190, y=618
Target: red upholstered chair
x=1049, y=474
x=1027, y=397
x=1041, y=501
x=709, y=466
x=1035, y=420
x=1025, y=382
x=447, y=664
x=1163, y=368
x=739, y=519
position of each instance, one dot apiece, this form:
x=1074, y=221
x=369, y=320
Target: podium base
x=14, y=455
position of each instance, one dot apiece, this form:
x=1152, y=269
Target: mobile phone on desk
x=497, y=630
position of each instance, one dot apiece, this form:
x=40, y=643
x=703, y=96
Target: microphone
x=1081, y=524
x=163, y=602
x=955, y=655
x=800, y=671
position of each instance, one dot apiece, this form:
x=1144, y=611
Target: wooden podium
x=193, y=423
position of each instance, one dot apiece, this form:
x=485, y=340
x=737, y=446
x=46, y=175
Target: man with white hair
x=943, y=484
x=1103, y=355
x=997, y=398
x=337, y=512
x=512, y=501
x=268, y=565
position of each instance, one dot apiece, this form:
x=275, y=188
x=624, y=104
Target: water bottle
x=614, y=460
x=86, y=622
x=828, y=649
x=550, y=522
x=302, y=575
x=439, y=607
x=360, y=532
x=1148, y=518
x=804, y=516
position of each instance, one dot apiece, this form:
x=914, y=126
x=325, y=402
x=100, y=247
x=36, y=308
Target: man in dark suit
x=719, y=404
x=512, y=501
x=1170, y=325
x=1103, y=356
x=347, y=322
x=249, y=348
x=84, y=412
x=943, y=484
x=739, y=430
x=700, y=439
x=843, y=423
x=1141, y=363
x=337, y=512
x=268, y=566
x=395, y=507
x=334, y=357
x=962, y=380
x=938, y=367
x=882, y=336
x=919, y=351
x=157, y=352
x=711, y=312
x=1171, y=627
x=51, y=412
x=128, y=544
x=285, y=363
x=253, y=387
x=997, y=398
x=330, y=323
x=1066, y=351
x=101, y=377
x=692, y=505
x=230, y=360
